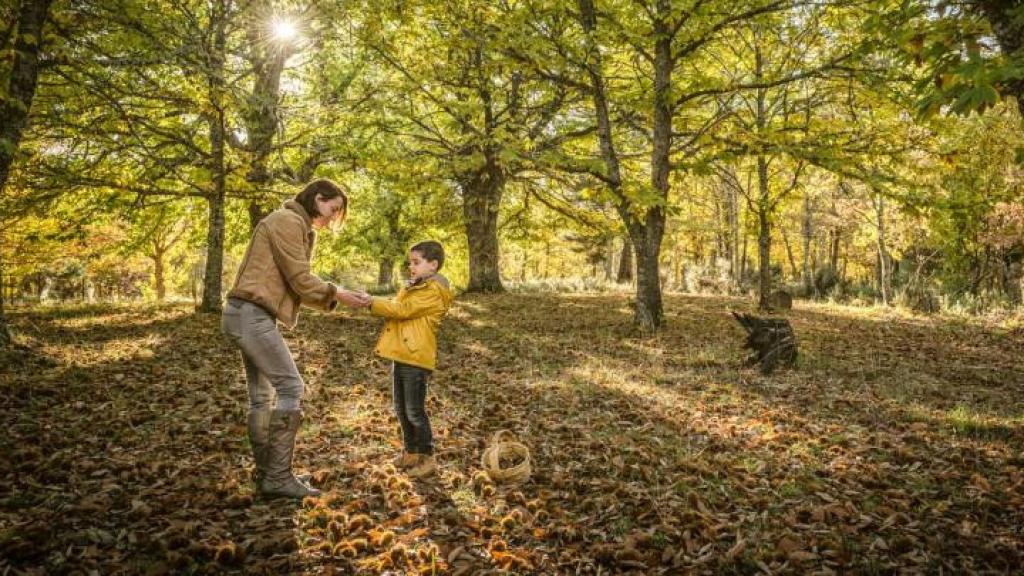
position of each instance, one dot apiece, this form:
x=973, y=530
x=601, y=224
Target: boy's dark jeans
x=410, y=395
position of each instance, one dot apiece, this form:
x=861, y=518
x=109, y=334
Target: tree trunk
x=834, y=236
x=481, y=199
x=20, y=86
x=546, y=261
x=256, y=213
x=20, y=90
x=808, y=235
x=645, y=234
x=267, y=58
x=1013, y=271
x=648, y=309
x=743, y=260
x=158, y=274
x=884, y=260
x=764, y=248
x=789, y=252
x=721, y=229
x=215, y=231
x=194, y=281
x=625, y=263
x=5, y=333
x=764, y=237
x=734, y=237
x=609, y=259
x=386, y=273
x=677, y=269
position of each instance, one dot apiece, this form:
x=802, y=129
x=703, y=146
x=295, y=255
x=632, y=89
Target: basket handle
x=496, y=438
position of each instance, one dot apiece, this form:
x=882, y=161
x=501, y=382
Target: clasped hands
x=354, y=298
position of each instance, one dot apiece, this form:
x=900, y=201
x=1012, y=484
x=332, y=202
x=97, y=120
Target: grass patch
x=968, y=422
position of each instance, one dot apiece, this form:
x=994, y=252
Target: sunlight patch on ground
x=477, y=323
x=106, y=352
x=475, y=347
x=463, y=307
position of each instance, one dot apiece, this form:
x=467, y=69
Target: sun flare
x=283, y=30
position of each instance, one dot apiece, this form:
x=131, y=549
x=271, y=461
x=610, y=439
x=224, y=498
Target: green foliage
x=978, y=180
x=417, y=106
x=964, y=52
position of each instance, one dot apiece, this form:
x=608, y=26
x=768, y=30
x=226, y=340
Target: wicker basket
x=501, y=447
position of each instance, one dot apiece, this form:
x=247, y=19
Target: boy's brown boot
x=425, y=466
x=405, y=460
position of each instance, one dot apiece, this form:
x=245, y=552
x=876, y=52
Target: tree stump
x=780, y=300
x=771, y=341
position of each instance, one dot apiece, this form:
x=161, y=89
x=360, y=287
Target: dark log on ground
x=771, y=341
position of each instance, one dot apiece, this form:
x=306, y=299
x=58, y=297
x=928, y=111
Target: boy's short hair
x=327, y=189
x=431, y=250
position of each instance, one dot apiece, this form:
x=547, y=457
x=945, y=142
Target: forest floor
x=896, y=446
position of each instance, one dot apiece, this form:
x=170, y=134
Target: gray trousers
x=269, y=369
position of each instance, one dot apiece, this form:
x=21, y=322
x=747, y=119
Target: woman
x=273, y=280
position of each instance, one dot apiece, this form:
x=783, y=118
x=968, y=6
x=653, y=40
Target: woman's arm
x=288, y=246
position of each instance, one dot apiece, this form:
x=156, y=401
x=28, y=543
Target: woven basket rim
x=491, y=458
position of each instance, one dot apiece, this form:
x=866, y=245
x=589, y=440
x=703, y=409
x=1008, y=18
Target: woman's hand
x=353, y=299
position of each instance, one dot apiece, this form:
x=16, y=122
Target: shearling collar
x=435, y=277
x=298, y=209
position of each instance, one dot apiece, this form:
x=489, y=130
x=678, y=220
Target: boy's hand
x=365, y=297
x=353, y=299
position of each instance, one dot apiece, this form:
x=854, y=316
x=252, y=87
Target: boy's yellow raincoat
x=410, y=334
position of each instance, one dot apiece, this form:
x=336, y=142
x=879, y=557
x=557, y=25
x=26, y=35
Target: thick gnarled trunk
x=481, y=199
x=20, y=89
x=649, y=310
x=20, y=85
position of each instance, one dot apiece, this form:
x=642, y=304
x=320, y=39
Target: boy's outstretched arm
x=419, y=305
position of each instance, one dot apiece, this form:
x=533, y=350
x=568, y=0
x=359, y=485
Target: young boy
x=409, y=340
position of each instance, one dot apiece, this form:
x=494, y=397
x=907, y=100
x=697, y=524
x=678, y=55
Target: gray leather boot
x=259, y=440
x=278, y=479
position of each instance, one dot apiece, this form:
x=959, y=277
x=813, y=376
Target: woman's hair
x=328, y=190
x=431, y=251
